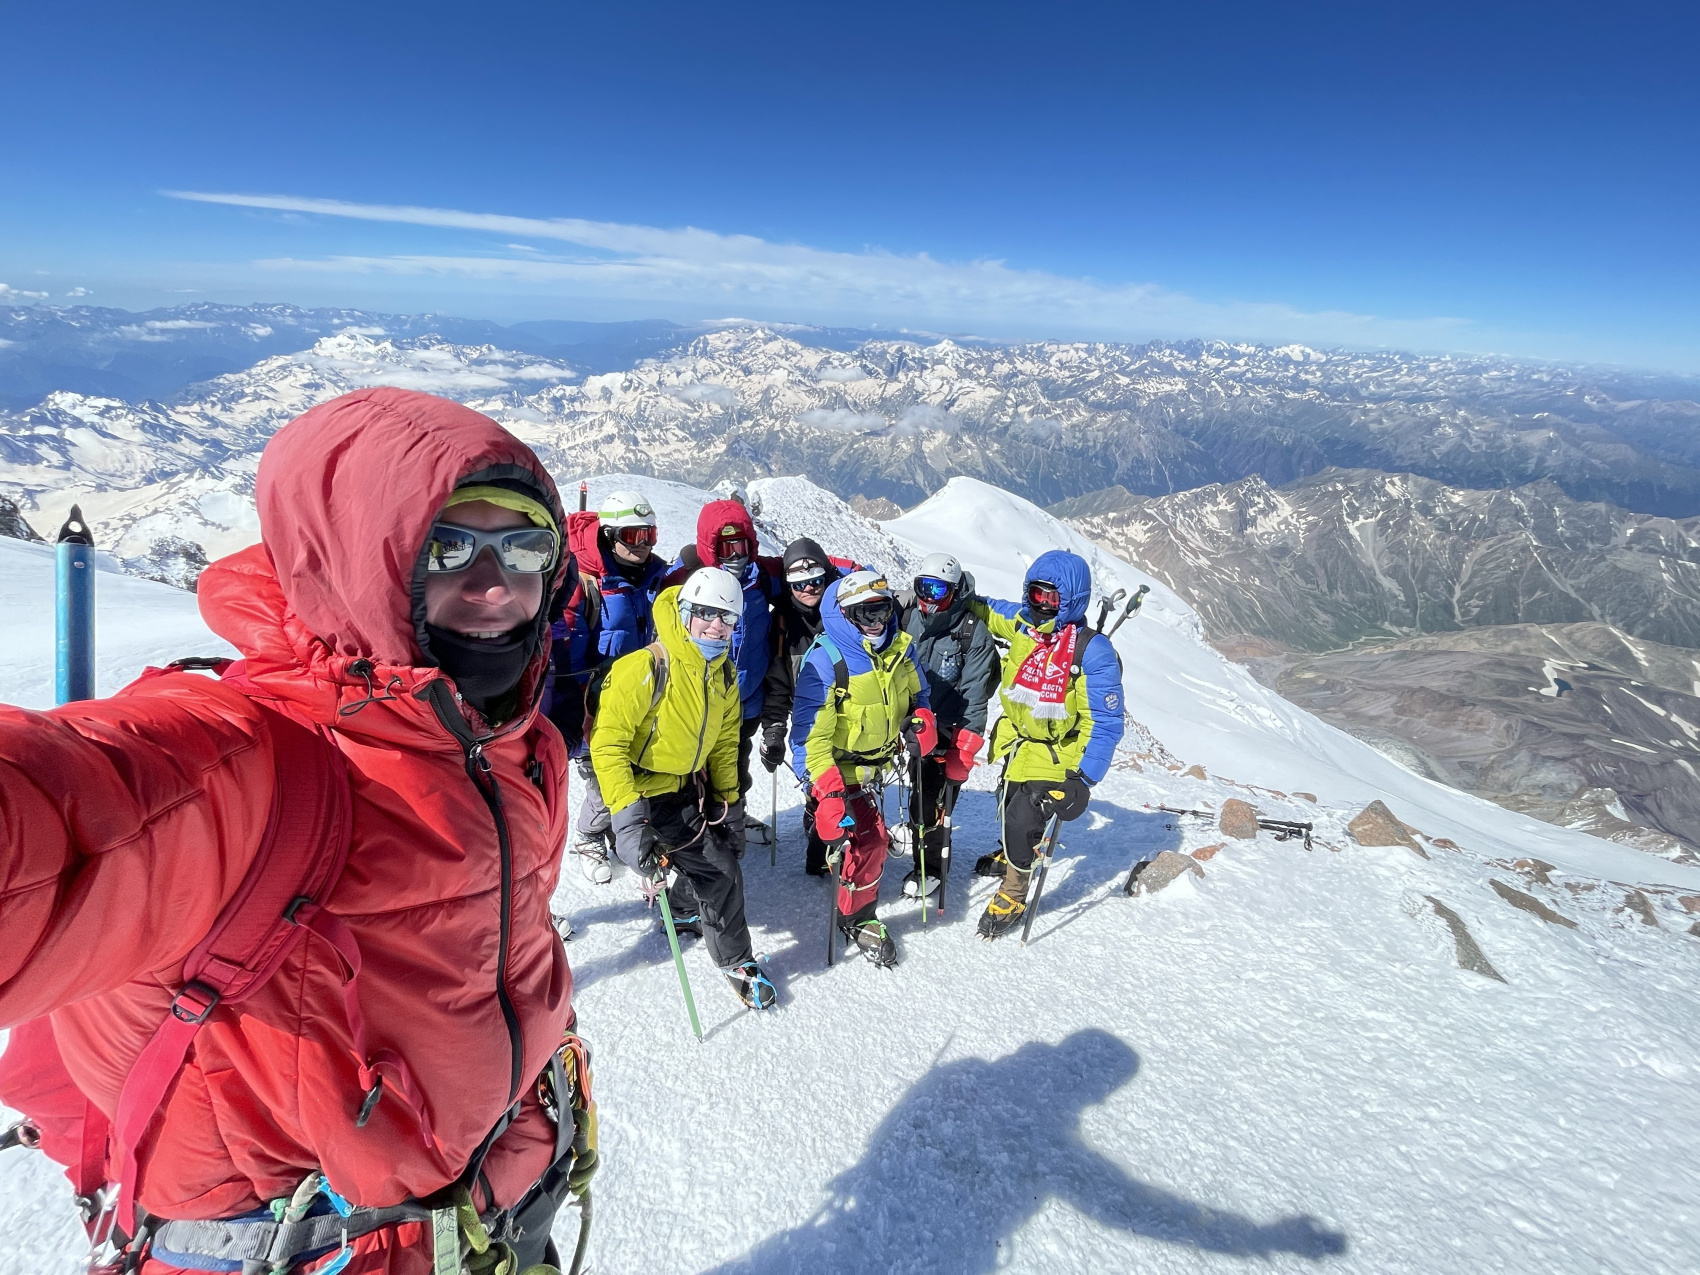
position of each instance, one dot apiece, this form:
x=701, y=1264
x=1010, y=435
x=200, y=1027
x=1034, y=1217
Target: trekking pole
x=1131, y=609
x=773, y=845
x=583, y=493
x=1041, y=865
x=832, y=922
x=678, y=957
x=583, y=1233
x=916, y=832
x=74, y=611
x=949, y=808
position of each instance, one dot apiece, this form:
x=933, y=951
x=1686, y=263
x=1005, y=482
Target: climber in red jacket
x=395, y=606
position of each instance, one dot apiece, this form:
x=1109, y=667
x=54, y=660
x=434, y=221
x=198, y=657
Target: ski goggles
x=1044, y=596
x=871, y=615
x=733, y=547
x=633, y=537
x=932, y=589
x=521, y=550
x=710, y=615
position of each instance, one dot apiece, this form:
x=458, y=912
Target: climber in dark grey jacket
x=960, y=659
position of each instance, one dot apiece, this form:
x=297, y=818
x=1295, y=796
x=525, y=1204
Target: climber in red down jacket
x=410, y=1053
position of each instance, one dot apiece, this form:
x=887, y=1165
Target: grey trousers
x=593, y=817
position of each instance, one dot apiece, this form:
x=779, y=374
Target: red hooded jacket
x=127, y=823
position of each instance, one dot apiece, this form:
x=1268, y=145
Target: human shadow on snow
x=976, y=1149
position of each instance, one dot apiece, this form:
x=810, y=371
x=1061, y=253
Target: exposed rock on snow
x=1529, y=903
x=1238, y=819
x=1638, y=903
x=1165, y=870
x=1469, y=953
x=12, y=524
x=1376, y=826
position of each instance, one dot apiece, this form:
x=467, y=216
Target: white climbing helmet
x=712, y=587
x=626, y=509
x=941, y=566
x=861, y=586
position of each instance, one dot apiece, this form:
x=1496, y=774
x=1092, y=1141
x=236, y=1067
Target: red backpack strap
x=300, y=857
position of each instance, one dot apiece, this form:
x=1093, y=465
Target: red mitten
x=832, y=816
x=921, y=732
x=959, y=760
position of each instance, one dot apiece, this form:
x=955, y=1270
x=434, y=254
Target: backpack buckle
x=194, y=1002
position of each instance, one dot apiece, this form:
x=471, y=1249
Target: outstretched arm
x=126, y=824
x=997, y=616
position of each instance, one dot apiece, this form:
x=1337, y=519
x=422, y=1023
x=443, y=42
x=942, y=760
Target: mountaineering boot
x=752, y=985
x=912, y=885
x=871, y=941
x=1005, y=910
x=990, y=865
x=592, y=854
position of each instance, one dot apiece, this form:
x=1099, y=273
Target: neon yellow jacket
x=643, y=747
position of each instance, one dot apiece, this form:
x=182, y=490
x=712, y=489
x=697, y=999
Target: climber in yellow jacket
x=665, y=749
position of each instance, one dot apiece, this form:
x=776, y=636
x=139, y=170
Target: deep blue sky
x=1522, y=178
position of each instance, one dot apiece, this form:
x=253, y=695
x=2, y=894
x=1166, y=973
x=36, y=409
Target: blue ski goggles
x=522, y=550
x=932, y=589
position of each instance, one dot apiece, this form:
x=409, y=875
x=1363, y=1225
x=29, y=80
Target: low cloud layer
x=700, y=268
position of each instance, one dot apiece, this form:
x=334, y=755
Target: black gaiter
x=485, y=671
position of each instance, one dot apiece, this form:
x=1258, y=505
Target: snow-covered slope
x=1280, y=1058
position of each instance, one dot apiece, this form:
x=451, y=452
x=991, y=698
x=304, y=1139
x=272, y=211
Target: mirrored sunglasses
x=710, y=615
x=522, y=550
x=932, y=589
x=635, y=536
x=812, y=583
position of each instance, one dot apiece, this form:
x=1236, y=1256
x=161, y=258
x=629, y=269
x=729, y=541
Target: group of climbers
x=354, y=832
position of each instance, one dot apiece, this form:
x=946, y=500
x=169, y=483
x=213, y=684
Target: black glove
x=773, y=746
x=1066, y=799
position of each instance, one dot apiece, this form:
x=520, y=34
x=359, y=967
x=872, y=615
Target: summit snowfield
x=1277, y=1057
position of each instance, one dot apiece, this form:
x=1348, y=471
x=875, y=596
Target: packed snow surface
x=1275, y=1065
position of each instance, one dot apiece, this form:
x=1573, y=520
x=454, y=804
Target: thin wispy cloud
x=693, y=267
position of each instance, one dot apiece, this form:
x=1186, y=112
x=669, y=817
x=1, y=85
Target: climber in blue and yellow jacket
x=1062, y=718
x=861, y=695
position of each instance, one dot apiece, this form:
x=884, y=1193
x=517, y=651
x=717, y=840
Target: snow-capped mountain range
x=165, y=481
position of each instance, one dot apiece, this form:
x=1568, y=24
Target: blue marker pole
x=74, y=577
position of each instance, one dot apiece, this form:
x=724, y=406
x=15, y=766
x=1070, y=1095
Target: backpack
x=658, y=679
x=582, y=587
x=278, y=902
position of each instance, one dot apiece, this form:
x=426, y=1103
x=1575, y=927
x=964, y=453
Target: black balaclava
x=487, y=673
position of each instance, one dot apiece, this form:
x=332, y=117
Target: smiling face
x=483, y=601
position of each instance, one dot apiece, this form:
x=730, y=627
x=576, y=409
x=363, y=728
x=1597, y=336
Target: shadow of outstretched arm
x=1102, y=1190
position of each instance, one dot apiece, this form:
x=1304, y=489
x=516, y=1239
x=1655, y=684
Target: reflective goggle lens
x=932, y=589
x=870, y=615
x=710, y=615
x=816, y=581
x=1044, y=595
x=734, y=547
x=635, y=536
x=522, y=550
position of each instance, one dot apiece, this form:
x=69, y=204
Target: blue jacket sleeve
x=621, y=622
x=1104, y=703
x=814, y=684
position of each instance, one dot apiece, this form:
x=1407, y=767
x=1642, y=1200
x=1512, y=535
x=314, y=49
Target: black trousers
x=747, y=733
x=710, y=883
x=926, y=807
x=1026, y=810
